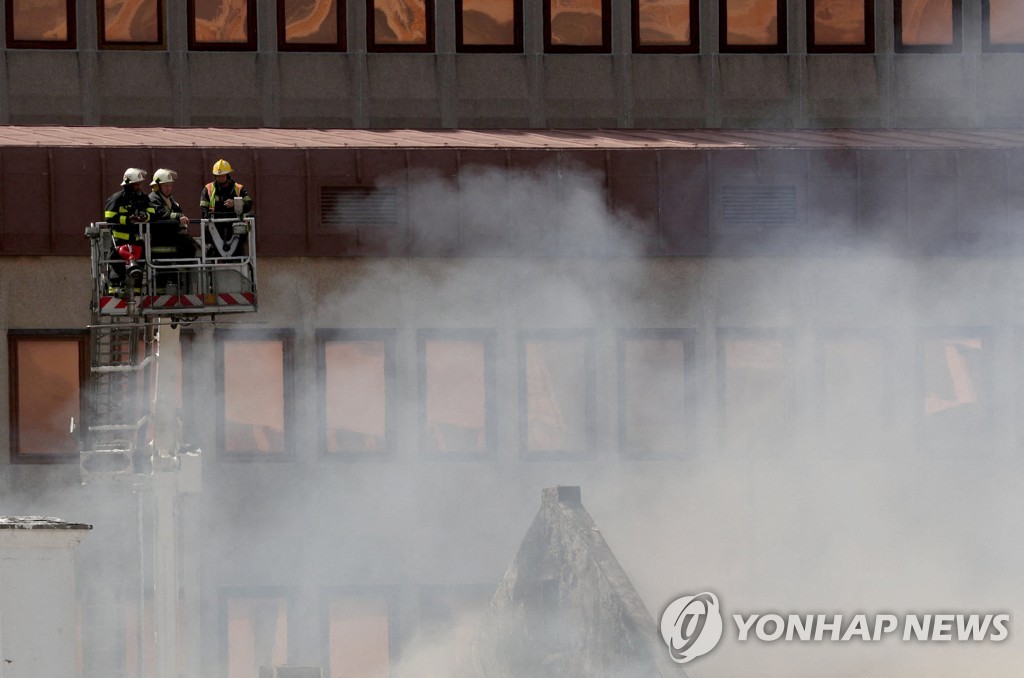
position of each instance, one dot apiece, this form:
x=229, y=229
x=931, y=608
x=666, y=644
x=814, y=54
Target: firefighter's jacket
x=214, y=196
x=167, y=235
x=223, y=241
x=119, y=210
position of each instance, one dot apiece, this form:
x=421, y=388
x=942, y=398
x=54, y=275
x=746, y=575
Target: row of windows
x=497, y=25
x=658, y=389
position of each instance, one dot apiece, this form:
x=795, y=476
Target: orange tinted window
x=664, y=22
x=225, y=21
x=456, y=395
x=358, y=637
x=356, y=397
x=839, y=22
x=311, y=22
x=653, y=395
x=44, y=20
x=756, y=407
x=488, y=22
x=556, y=395
x=254, y=413
x=576, y=22
x=130, y=21
x=956, y=391
x=1006, y=22
x=752, y=22
x=399, y=22
x=47, y=395
x=257, y=635
x=927, y=22
x=854, y=389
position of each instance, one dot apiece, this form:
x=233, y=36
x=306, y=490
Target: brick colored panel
x=685, y=210
x=25, y=199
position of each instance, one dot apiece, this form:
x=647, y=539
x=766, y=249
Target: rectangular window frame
x=388, y=593
x=159, y=44
x=781, y=45
x=692, y=48
x=722, y=334
x=488, y=338
x=515, y=48
x=606, y=34
x=70, y=43
x=428, y=46
x=13, y=338
x=689, y=413
x=958, y=33
x=986, y=33
x=226, y=593
x=327, y=335
x=886, y=341
x=869, y=33
x=986, y=399
x=287, y=338
x=284, y=46
x=590, y=412
x=251, y=33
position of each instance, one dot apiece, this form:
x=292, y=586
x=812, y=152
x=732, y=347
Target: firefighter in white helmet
x=169, y=234
x=124, y=212
x=218, y=201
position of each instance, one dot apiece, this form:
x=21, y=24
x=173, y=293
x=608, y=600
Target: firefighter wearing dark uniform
x=128, y=208
x=125, y=211
x=218, y=202
x=169, y=236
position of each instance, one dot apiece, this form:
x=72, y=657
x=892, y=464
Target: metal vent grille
x=358, y=206
x=759, y=205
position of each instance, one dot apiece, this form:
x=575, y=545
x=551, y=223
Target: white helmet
x=163, y=176
x=133, y=175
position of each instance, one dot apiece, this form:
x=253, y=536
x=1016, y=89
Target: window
x=654, y=372
x=456, y=388
x=577, y=26
x=254, y=377
x=131, y=23
x=854, y=392
x=48, y=373
x=358, y=635
x=311, y=25
x=406, y=26
x=356, y=374
x=489, y=25
x=666, y=26
x=222, y=24
x=1003, y=22
x=752, y=25
x=256, y=630
x=556, y=393
x=955, y=407
x=449, y=619
x=755, y=390
x=41, y=24
x=841, y=26
x=928, y=26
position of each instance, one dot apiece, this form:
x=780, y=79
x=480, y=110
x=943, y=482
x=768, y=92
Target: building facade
x=783, y=364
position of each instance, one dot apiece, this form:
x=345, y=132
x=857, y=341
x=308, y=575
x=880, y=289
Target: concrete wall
x=449, y=90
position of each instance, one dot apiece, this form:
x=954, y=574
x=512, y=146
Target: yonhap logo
x=691, y=626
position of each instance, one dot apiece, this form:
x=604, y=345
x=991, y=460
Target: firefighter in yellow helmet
x=218, y=202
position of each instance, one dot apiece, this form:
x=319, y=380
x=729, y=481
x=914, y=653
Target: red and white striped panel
x=173, y=301
x=113, y=306
x=240, y=299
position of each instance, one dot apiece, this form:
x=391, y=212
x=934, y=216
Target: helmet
x=133, y=175
x=163, y=176
x=222, y=166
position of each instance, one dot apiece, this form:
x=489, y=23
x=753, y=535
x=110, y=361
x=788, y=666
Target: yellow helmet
x=222, y=166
